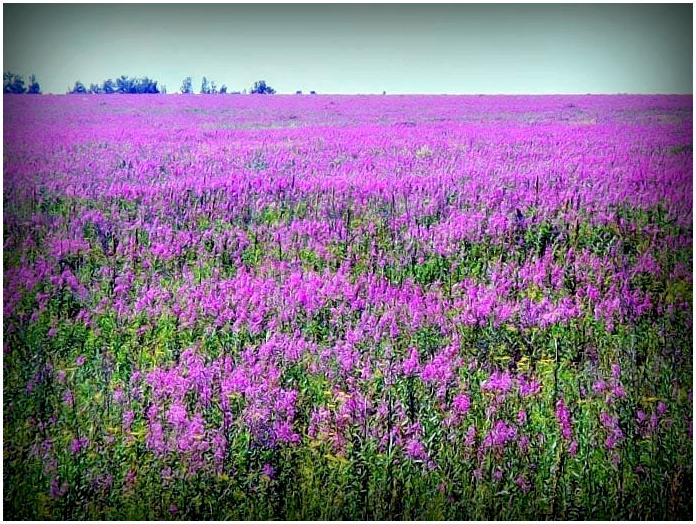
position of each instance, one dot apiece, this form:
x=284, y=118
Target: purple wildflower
x=128, y=418
x=68, y=398
x=176, y=415
x=58, y=489
x=498, y=382
x=470, y=438
x=119, y=396
x=416, y=450
x=528, y=387
x=268, y=471
x=563, y=416
x=616, y=371
x=461, y=404
x=523, y=484
x=500, y=434
x=521, y=417
x=573, y=448
x=78, y=445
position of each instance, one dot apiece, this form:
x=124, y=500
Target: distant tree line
x=145, y=85
x=122, y=85
x=14, y=83
x=208, y=87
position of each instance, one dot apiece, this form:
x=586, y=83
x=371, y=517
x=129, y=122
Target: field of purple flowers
x=314, y=307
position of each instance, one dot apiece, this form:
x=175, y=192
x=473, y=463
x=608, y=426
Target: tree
x=108, y=86
x=78, y=89
x=187, y=86
x=136, y=86
x=7, y=78
x=209, y=87
x=144, y=86
x=34, y=87
x=123, y=85
x=18, y=85
x=13, y=83
x=260, y=88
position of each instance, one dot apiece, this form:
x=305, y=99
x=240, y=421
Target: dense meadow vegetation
x=347, y=307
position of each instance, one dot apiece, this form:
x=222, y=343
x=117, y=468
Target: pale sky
x=467, y=49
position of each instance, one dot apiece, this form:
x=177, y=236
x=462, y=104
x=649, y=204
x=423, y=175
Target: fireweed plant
x=347, y=307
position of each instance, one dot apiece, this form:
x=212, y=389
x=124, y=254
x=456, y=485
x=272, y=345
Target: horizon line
x=617, y=93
